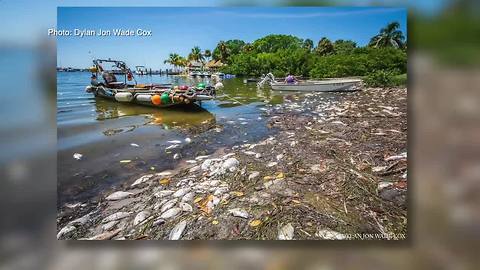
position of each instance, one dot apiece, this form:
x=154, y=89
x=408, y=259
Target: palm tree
x=224, y=52
x=324, y=47
x=172, y=60
x=196, y=54
x=389, y=36
x=207, y=54
x=248, y=47
x=308, y=44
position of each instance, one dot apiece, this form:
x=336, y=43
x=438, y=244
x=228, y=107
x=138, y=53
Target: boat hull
x=317, y=86
x=108, y=93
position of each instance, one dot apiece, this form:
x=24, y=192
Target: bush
x=380, y=78
x=400, y=80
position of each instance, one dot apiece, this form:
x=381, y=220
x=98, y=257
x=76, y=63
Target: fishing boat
x=310, y=85
x=129, y=91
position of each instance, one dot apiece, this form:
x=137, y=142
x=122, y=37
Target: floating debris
x=188, y=140
x=77, y=156
x=174, y=142
x=125, y=161
x=134, y=145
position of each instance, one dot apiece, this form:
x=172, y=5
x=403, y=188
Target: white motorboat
x=311, y=85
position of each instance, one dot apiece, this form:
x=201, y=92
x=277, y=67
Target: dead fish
x=397, y=157
x=168, y=205
x=74, y=205
x=65, y=230
x=378, y=168
x=271, y=164
x=116, y=216
x=118, y=195
x=188, y=197
x=186, y=207
x=250, y=153
x=286, y=232
x=181, y=192
x=105, y=236
x=171, y=146
x=177, y=231
x=165, y=173
x=253, y=175
x=175, y=142
x=142, y=179
x=108, y=226
x=81, y=220
x=201, y=157
x=134, y=145
x=191, y=161
x=188, y=140
x=171, y=212
x=238, y=212
x=163, y=193
x=140, y=217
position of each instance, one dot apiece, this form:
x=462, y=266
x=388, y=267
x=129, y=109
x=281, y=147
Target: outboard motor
x=268, y=78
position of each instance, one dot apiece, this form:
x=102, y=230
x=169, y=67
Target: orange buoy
x=156, y=100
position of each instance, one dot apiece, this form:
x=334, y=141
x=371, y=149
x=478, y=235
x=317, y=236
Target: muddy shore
x=333, y=169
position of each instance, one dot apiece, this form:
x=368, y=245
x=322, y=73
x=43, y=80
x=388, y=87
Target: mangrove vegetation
x=383, y=62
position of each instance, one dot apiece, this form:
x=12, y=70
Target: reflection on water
x=172, y=117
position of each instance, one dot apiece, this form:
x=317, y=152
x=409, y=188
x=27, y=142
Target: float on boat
x=157, y=95
x=331, y=85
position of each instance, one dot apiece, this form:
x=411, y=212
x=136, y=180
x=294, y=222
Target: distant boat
x=311, y=85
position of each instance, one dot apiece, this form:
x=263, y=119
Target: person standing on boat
x=290, y=79
x=94, y=81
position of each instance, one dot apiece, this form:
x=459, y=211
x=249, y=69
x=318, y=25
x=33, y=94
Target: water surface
x=106, y=132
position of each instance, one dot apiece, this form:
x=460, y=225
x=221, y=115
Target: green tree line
x=287, y=54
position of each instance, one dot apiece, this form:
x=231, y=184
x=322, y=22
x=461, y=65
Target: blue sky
x=179, y=29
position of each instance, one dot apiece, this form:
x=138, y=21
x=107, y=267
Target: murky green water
x=105, y=132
